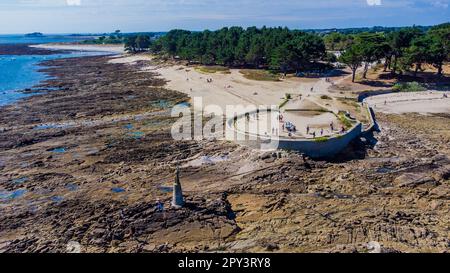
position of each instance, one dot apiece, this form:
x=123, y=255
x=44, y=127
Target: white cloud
x=73, y=2
x=374, y=2
x=440, y=4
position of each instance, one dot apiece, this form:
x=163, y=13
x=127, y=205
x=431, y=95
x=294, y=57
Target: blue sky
x=75, y=16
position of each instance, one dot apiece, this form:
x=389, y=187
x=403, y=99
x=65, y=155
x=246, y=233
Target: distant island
x=34, y=34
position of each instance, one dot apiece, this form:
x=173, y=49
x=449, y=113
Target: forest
x=281, y=49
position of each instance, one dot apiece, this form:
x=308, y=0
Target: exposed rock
x=413, y=180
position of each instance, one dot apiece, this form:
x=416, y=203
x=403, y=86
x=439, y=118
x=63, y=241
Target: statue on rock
x=177, y=200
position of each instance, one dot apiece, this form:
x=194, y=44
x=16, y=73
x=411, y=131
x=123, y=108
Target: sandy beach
x=232, y=89
x=80, y=47
x=412, y=102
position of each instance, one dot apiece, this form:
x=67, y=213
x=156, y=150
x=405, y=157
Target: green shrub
x=408, y=87
x=321, y=139
x=213, y=69
x=260, y=75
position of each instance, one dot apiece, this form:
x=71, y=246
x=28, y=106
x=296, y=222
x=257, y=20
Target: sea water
x=20, y=72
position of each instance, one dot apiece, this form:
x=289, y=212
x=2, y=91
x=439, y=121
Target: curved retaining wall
x=366, y=94
x=321, y=149
x=314, y=148
x=373, y=127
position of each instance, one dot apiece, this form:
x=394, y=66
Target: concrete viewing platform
x=264, y=130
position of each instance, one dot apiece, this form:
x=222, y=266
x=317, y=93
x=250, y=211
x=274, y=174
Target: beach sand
x=427, y=102
x=79, y=47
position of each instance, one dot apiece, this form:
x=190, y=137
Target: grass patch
x=260, y=75
x=321, y=139
x=213, y=69
x=350, y=102
x=408, y=87
x=345, y=121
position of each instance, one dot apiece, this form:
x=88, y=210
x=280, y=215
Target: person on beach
x=321, y=132
x=159, y=206
x=314, y=134
x=307, y=130
x=332, y=127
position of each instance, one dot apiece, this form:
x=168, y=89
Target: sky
x=100, y=16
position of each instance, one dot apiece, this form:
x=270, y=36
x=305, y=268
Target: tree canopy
x=275, y=48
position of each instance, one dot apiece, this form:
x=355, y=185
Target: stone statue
x=177, y=200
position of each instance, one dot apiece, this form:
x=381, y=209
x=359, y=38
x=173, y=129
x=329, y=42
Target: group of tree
x=285, y=50
x=275, y=48
x=134, y=42
x=407, y=49
x=113, y=38
x=138, y=43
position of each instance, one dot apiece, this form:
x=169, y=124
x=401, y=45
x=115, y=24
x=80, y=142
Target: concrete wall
x=366, y=94
x=373, y=125
x=321, y=149
x=311, y=147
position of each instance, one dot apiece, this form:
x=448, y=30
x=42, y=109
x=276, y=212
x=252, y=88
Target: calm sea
x=20, y=72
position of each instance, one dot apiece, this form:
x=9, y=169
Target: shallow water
x=10, y=195
x=118, y=190
x=50, y=126
x=22, y=39
x=137, y=135
x=161, y=104
x=128, y=126
x=20, y=180
x=165, y=189
x=72, y=187
x=60, y=150
x=20, y=72
x=57, y=199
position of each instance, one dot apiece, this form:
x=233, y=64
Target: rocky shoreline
x=86, y=161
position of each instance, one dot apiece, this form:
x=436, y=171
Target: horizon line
x=229, y=26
